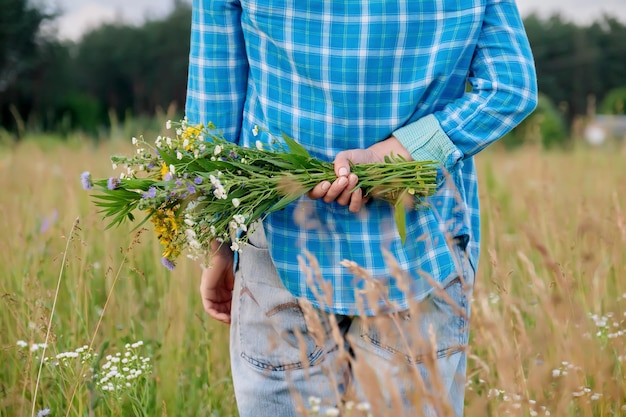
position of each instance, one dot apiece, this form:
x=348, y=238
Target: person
x=354, y=82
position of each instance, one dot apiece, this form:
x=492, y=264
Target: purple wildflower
x=112, y=183
x=85, y=178
x=179, y=182
x=151, y=193
x=168, y=177
x=168, y=264
x=191, y=189
x=43, y=413
x=197, y=180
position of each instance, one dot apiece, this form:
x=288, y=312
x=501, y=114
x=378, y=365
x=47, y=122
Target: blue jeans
x=284, y=351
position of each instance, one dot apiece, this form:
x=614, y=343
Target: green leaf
x=284, y=202
x=295, y=147
x=400, y=216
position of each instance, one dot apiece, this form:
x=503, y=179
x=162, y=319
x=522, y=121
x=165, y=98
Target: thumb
x=344, y=158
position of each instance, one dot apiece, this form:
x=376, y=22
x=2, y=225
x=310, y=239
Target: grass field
x=548, y=321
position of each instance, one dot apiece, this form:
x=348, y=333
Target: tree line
x=119, y=71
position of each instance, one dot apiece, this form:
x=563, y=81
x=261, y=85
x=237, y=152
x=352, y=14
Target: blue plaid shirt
x=345, y=74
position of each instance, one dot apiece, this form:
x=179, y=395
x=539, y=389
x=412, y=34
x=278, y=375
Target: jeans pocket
x=273, y=331
x=437, y=326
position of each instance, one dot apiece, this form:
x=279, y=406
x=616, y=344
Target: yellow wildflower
x=164, y=170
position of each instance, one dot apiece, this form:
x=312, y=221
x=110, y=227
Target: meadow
x=548, y=324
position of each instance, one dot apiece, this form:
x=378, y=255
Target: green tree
x=137, y=69
x=20, y=46
x=576, y=62
x=614, y=102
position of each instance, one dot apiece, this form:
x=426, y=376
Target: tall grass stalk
x=54, y=303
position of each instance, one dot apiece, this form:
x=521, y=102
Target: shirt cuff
x=426, y=141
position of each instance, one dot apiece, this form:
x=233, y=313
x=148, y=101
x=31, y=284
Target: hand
x=216, y=285
x=340, y=190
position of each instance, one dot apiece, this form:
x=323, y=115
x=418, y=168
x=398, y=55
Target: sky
x=81, y=15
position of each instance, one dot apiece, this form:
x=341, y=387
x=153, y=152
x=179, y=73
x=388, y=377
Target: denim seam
x=312, y=359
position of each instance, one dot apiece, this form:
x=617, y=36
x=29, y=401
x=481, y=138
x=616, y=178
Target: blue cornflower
x=85, y=178
x=168, y=264
x=197, y=180
x=112, y=183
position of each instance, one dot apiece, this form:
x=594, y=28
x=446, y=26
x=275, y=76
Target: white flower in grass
x=22, y=344
x=134, y=140
x=236, y=202
x=363, y=407
x=217, y=150
x=168, y=124
x=332, y=411
x=179, y=155
x=44, y=412
x=172, y=169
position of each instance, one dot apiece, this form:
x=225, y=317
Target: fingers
x=340, y=190
x=217, y=313
x=336, y=188
x=357, y=201
x=215, y=306
x=346, y=193
x=216, y=290
x=319, y=191
x=330, y=191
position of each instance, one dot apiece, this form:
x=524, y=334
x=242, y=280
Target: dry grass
x=548, y=321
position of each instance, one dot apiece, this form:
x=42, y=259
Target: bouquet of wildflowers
x=197, y=188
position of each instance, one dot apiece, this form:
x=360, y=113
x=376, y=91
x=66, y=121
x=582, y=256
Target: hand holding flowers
x=199, y=189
